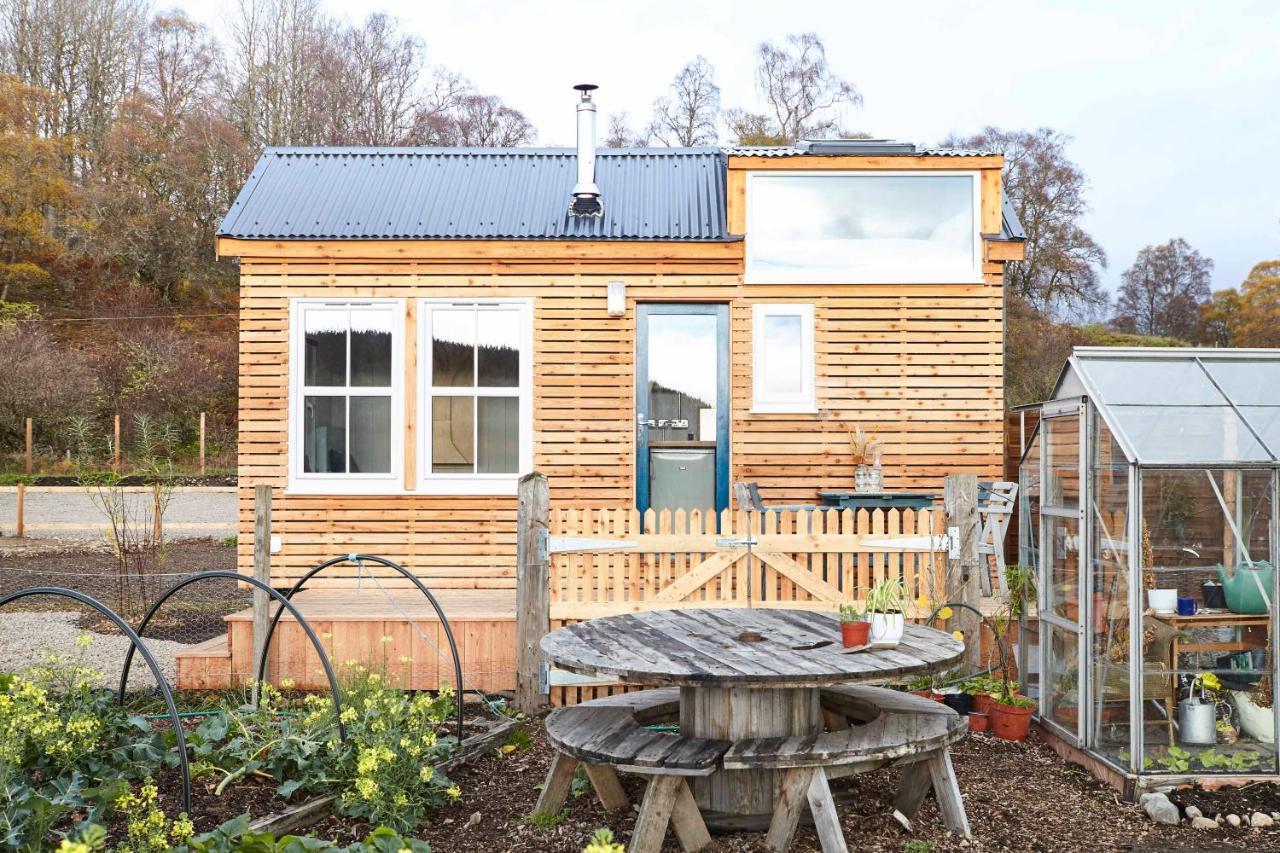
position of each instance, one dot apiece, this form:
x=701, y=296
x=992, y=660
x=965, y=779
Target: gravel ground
x=70, y=512
x=26, y=638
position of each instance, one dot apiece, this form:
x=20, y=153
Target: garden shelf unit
x=1149, y=486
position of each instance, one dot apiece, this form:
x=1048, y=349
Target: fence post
x=533, y=591
x=28, y=458
x=20, y=527
x=960, y=502
x=115, y=447
x=202, y=444
x=261, y=571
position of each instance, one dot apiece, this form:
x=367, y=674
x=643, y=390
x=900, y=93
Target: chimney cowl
x=586, y=195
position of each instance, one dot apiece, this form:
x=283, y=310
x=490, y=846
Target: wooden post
x=533, y=591
x=20, y=528
x=157, y=515
x=115, y=447
x=262, y=572
x=960, y=501
x=27, y=466
x=202, y=444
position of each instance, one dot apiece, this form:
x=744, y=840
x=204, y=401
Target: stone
x=1275, y=815
x=1193, y=812
x=1258, y=820
x=1160, y=809
x=1203, y=823
x=1233, y=819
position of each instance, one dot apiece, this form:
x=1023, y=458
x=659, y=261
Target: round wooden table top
x=739, y=647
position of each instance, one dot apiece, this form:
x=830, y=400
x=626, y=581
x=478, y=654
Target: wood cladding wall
x=920, y=364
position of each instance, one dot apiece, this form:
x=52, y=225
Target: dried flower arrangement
x=866, y=447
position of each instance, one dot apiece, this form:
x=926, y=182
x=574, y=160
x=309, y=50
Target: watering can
x=1248, y=590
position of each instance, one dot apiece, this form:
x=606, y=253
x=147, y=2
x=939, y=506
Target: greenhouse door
x=1063, y=568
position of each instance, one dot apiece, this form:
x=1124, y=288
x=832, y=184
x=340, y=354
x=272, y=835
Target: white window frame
x=473, y=484
x=887, y=275
x=805, y=400
x=343, y=484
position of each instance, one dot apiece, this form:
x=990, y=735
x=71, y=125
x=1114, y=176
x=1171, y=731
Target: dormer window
x=863, y=227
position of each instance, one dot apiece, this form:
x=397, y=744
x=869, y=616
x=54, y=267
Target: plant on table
x=866, y=449
x=855, y=630
x=884, y=609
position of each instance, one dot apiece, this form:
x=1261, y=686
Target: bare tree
x=802, y=93
x=86, y=52
x=180, y=61
x=619, y=133
x=1162, y=293
x=482, y=121
x=688, y=115
x=378, y=86
x=1060, y=273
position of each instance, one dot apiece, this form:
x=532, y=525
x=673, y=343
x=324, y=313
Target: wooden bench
x=608, y=735
x=871, y=727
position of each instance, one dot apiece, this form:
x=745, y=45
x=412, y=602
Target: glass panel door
x=1063, y=558
x=682, y=407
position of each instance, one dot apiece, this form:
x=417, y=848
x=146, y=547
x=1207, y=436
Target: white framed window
x=782, y=358
x=346, y=395
x=476, y=403
x=863, y=227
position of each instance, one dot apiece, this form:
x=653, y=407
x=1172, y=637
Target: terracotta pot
x=855, y=633
x=982, y=702
x=1009, y=721
x=978, y=721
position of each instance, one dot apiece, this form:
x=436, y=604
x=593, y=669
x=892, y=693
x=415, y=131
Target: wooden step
x=205, y=666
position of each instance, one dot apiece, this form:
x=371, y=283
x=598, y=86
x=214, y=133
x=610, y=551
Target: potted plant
x=866, y=448
x=923, y=686
x=855, y=630
x=1010, y=714
x=884, y=609
x=1160, y=600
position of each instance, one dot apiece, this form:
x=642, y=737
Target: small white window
x=863, y=228
x=782, y=358
x=477, y=401
x=346, y=400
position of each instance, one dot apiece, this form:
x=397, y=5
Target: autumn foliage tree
x=1249, y=316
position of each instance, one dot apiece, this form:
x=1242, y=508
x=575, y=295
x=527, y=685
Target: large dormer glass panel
x=863, y=227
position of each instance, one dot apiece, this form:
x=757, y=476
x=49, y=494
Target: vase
x=868, y=478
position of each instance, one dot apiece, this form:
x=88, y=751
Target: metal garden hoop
x=135, y=641
x=382, y=561
x=284, y=603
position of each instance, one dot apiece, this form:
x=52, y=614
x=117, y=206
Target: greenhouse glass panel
x=1109, y=651
x=1247, y=382
x=1187, y=434
x=1266, y=421
x=1206, y=546
x=1154, y=382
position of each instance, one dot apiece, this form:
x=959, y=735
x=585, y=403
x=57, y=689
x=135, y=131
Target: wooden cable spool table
x=743, y=673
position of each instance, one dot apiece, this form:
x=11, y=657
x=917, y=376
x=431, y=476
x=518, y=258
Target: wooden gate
x=607, y=561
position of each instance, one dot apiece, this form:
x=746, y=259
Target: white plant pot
x=886, y=630
x=1163, y=600
x=1255, y=722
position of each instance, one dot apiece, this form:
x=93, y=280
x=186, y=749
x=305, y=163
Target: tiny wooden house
x=421, y=326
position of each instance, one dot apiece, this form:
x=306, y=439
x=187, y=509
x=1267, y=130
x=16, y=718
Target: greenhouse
x=1148, y=507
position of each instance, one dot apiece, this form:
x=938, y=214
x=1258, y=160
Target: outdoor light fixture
x=616, y=302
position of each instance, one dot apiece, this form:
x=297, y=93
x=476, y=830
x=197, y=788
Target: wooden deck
x=395, y=632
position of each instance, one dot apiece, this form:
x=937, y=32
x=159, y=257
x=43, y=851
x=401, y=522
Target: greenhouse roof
x=1183, y=406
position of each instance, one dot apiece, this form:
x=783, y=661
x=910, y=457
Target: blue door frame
x=643, y=313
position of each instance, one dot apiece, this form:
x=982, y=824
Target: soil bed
x=1019, y=797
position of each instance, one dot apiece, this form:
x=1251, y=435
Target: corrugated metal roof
x=853, y=148
x=479, y=193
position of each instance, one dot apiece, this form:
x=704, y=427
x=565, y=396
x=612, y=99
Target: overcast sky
x=1174, y=107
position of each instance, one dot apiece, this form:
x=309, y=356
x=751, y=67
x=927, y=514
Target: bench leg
x=912, y=790
x=608, y=788
x=655, y=814
x=556, y=788
x=686, y=820
x=792, y=796
x=947, y=790
x=825, y=819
